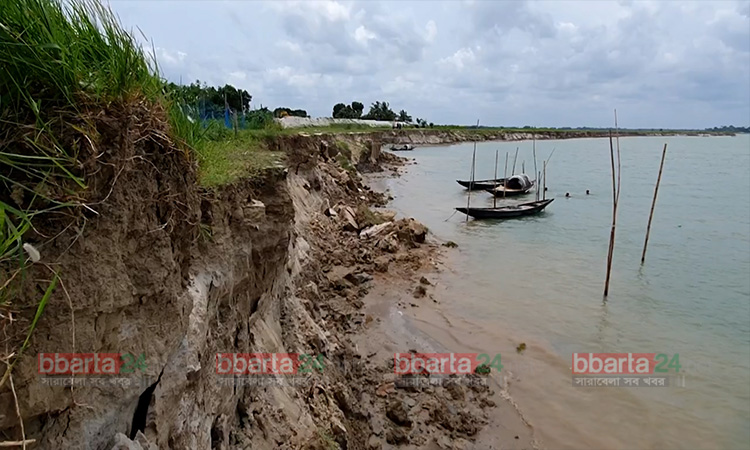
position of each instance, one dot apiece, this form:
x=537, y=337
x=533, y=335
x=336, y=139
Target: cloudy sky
x=550, y=63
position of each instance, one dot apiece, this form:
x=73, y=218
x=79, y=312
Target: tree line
x=209, y=100
x=211, y=103
x=730, y=129
x=378, y=111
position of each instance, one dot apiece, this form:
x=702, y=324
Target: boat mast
x=471, y=182
x=505, y=175
x=494, y=198
x=533, y=150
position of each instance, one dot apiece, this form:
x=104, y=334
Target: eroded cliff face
x=175, y=274
x=272, y=264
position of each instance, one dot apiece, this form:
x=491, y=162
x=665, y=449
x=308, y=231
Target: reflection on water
x=541, y=278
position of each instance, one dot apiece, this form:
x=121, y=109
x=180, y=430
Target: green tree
x=209, y=99
x=358, y=108
x=380, y=111
x=353, y=111
x=337, y=108
x=404, y=117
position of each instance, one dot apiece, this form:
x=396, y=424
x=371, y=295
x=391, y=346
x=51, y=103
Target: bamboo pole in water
x=544, y=181
x=537, y=176
x=533, y=151
x=471, y=181
x=653, y=203
x=513, y=172
x=615, y=198
x=494, y=199
x=505, y=174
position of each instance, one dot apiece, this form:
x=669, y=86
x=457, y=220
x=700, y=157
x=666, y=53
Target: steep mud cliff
x=161, y=268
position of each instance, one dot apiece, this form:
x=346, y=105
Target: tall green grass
x=61, y=64
x=60, y=61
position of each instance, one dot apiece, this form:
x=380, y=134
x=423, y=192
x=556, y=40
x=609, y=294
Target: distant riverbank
x=450, y=136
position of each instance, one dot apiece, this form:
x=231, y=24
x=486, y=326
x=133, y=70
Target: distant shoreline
x=439, y=137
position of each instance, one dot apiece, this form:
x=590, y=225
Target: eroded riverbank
x=277, y=264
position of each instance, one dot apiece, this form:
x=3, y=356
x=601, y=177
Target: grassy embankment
x=66, y=67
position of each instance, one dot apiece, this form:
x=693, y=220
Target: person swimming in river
x=587, y=192
x=567, y=194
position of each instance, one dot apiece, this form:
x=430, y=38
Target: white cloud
x=362, y=35
x=237, y=75
x=566, y=27
x=431, y=31
x=291, y=46
x=460, y=58
x=332, y=10
x=166, y=56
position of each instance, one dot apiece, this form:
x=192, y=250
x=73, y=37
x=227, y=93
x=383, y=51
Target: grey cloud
x=666, y=64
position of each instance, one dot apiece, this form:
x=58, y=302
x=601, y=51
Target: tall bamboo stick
x=471, y=181
x=653, y=203
x=544, y=181
x=617, y=142
x=537, y=177
x=494, y=182
x=513, y=172
x=505, y=175
x=615, y=199
x=533, y=151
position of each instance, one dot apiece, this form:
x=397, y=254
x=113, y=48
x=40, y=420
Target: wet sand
x=403, y=323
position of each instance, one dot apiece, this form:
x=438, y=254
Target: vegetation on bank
x=570, y=130
x=378, y=111
x=729, y=129
x=60, y=65
x=66, y=68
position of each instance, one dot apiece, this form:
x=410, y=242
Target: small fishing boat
x=507, y=212
x=516, y=185
x=481, y=185
x=402, y=147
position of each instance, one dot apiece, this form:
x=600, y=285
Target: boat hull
x=502, y=191
x=481, y=185
x=507, y=212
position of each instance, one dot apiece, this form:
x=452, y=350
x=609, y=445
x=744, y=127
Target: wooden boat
x=507, y=212
x=402, y=147
x=505, y=191
x=516, y=185
x=481, y=185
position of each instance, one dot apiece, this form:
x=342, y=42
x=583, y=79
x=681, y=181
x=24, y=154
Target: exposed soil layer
x=277, y=264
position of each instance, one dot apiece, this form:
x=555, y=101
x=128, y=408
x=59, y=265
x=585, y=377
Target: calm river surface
x=540, y=280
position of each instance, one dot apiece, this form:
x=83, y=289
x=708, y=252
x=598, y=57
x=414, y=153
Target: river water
x=540, y=280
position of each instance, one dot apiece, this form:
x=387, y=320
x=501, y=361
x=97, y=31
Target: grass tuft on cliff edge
x=69, y=71
x=62, y=64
